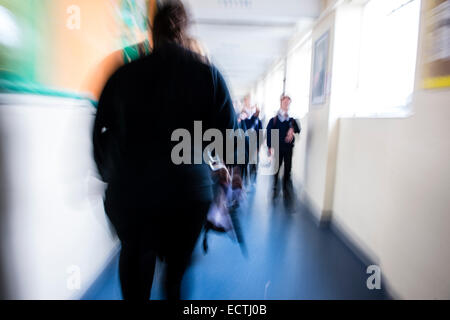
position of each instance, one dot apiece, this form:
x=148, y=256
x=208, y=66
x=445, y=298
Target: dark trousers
x=249, y=170
x=244, y=173
x=284, y=157
x=171, y=235
x=253, y=168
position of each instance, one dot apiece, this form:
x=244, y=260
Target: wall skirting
x=320, y=217
x=364, y=254
x=100, y=277
x=324, y=219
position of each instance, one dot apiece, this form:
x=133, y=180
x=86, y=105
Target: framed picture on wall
x=436, y=49
x=319, y=76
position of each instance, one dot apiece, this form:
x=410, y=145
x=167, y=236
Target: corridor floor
x=289, y=257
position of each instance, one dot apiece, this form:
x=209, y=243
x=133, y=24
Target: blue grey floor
x=289, y=257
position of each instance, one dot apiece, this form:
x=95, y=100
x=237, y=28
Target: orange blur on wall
x=81, y=60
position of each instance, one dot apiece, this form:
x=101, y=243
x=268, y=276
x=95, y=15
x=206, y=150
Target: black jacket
x=140, y=107
x=283, y=127
x=254, y=123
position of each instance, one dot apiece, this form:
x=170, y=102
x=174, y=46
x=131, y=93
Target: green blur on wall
x=21, y=37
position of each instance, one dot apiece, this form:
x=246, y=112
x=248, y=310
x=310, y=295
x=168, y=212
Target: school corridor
x=288, y=258
x=367, y=82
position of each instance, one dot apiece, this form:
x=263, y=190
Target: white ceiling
x=244, y=37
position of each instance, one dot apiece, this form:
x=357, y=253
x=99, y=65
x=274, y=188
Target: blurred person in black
x=243, y=167
x=158, y=208
x=287, y=127
x=252, y=123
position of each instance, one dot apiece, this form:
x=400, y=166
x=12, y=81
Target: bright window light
x=9, y=30
x=298, y=79
x=273, y=88
x=388, y=55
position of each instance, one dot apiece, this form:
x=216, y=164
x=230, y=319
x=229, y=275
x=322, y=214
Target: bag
x=218, y=215
x=222, y=214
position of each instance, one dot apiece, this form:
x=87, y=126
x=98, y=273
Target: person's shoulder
x=217, y=74
x=196, y=63
x=172, y=50
x=169, y=54
x=128, y=68
x=295, y=122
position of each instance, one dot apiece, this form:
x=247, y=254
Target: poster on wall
x=319, y=89
x=436, y=65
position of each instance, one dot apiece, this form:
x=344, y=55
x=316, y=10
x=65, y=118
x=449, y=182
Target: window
x=273, y=88
x=388, y=55
x=259, y=94
x=266, y=93
x=297, y=79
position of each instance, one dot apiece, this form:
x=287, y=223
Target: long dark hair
x=171, y=23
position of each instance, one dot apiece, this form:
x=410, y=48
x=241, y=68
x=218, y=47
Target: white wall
x=317, y=133
x=384, y=182
x=298, y=157
x=52, y=212
x=393, y=194
x=391, y=191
